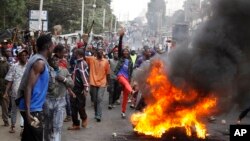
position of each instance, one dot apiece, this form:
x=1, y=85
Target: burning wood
x=172, y=107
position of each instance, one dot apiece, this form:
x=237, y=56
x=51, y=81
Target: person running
x=14, y=78
x=33, y=90
x=124, y=70
x=54, y=106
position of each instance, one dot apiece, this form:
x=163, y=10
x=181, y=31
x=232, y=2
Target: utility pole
x=115, y=24
x=111, y=23
x=82, y=17
x=40, y=15
x=111, y=28
x=91, y=33
x=4, y=18
x=103, y=23
x=94, y=6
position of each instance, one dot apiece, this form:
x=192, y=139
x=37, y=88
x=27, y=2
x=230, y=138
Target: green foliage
x=13, y=13
x=64, y=12
x=155, y=17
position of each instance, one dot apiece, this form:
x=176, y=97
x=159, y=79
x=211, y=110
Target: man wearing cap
x=13, y=77
x=3, y=47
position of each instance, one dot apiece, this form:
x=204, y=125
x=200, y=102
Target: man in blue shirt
x=33, y=89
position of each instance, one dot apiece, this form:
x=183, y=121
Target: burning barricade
x=172, y=107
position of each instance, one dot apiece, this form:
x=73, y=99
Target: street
x=95, y=131
x=113, y=123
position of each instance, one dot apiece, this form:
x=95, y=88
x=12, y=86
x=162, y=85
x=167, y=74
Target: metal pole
x=103, y=23
x=42, y=26
x=111, y=23
x=91, y=33
x=82, y=17
x=94, y=6
x=115, y=24
x=111, y=28
x=40, y=15
x=4, y=16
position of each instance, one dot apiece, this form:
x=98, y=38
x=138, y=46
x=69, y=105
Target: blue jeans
x=14, y=113
x=98, y=93
x=54, y=110
x=68, y=106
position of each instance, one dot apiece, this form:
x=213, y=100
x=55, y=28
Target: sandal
x=12, y=129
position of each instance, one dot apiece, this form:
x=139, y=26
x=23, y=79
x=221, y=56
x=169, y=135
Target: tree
x=178, y=17
x=64, y=12
x=14, y=13
x=155, y=17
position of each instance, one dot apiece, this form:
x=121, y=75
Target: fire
x=172, y=107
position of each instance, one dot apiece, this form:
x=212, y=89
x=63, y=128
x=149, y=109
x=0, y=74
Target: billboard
x=33, y=24
x=34, y=15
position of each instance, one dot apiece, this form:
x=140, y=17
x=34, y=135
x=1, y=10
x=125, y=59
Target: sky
x=130, y=9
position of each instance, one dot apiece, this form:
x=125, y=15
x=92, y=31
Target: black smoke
x=218, y=60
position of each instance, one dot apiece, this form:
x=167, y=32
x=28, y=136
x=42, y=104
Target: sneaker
x=84, y=123
x=129, y=101
x=211, y=119
x=118, y=102
x=12, y=129
x=67, y=119
x=238, y=122
x=113, y=106
x=6, y=124
x=110, y=107
x=98, y=120
x=123, y=115
x=132, y=106
x=74, y=127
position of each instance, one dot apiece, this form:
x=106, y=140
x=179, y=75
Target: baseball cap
x=21, y=51
x=80, y=44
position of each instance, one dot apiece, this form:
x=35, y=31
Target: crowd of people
x=43, y=79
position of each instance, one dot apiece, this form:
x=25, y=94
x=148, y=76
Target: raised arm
x=121, y=34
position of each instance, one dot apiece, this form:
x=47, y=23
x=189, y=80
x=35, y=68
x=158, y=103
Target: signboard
x=34, y=15
x=33, y=24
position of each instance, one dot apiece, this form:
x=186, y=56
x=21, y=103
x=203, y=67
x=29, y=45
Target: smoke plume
x=219, y=58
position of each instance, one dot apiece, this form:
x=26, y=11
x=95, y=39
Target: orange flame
x=172, y=107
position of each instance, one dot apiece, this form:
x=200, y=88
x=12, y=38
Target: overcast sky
x=129, y=9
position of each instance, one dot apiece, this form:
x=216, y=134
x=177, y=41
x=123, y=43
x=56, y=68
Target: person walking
x=14, y=78
x=54, y=107
x=79, y=92
x=4, y=68
x=99, y=78
x=60, y=51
